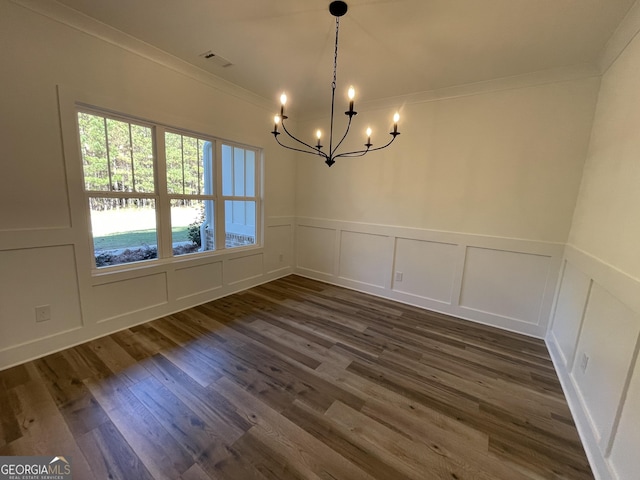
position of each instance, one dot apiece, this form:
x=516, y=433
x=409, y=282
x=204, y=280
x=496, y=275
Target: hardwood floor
x=297, y=379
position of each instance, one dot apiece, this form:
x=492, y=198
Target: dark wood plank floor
x=297, y=379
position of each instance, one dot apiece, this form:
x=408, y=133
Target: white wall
x=594, y=337
x=50, y=59
x=472, y=204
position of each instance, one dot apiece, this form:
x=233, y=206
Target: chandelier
x=337, y=9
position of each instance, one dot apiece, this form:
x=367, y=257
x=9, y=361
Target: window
x=190, y=187
x=154, y=192
x=239, y=195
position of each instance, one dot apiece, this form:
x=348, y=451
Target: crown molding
x=621, y=38
x=90, y=26
x=81, y=22
x=543, y=77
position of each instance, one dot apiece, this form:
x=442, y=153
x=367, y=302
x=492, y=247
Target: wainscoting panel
x=278, y=247
x=597, y=316
x=51, y=267
x=316, y=247
x=242, y=268
x=604, y=357
x=570, y=305
x=36, y=277
x=508, y=283
x=365, y=258
x=625, y=460
x=197, y=279
x=425, y=269
x=116, y=299
x=504, y=283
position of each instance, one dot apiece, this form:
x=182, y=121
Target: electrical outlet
x=43, y=313
x=398, y=276
x=584, y=362
x=281, y=258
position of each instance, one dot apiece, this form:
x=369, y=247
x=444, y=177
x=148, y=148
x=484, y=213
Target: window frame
x=224, y=198
x=163, y=198
x=166, y=233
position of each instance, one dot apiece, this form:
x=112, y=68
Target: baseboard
x=598, y=462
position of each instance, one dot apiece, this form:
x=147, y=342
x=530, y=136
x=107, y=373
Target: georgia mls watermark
x=35, y=468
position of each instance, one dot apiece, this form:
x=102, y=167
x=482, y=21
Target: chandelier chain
x=335, y=55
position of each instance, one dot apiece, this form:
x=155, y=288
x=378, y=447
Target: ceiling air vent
x=216, y=59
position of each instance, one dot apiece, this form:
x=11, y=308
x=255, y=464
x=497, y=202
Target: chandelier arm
x=313, y=149
x=342, y=139
x=310, y=152
x=355, y=154
x=333, y=96
x=360, y=153
x=394, y=135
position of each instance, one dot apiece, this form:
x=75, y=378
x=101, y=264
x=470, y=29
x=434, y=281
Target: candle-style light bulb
x=318, y=136
x=276, y=121
x=351, y=94
x=283, y=101
x=368, y=144
x=396, y=117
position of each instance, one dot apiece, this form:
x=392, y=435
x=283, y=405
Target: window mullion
x=200, y=159
x=106, y=194
x=182, y=159
x=133, y=169
x=163, y=202
x=175, y=196
x=219, y=204
x=238, y=197
x=106, y=142
x=257, y=188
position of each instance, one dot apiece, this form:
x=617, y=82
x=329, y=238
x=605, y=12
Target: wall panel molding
x=430, y=269
x=594, y=341
x=507, y=283
x=112, y=301
x=279, y=241
x=316, y=249
x=574, y=288
x=16, y=239
x=434, y=266
x=621, y=285
x=365, y=258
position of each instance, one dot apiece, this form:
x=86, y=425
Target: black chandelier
x=337, y=9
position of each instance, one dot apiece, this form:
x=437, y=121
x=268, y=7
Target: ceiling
x=387, y=47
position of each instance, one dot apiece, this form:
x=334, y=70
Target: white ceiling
x=387, y=47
